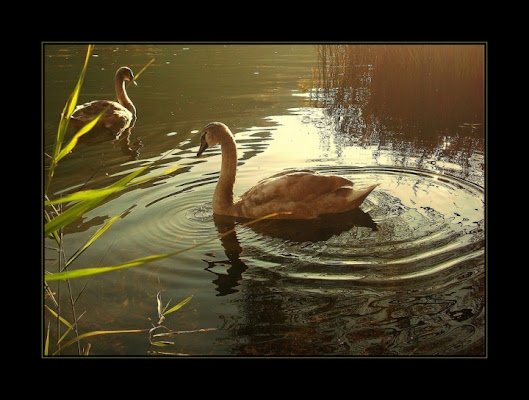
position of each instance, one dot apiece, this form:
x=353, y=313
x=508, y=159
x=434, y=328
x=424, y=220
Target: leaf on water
x=178, y=306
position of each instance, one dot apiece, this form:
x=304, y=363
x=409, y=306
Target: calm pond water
x=404, y=275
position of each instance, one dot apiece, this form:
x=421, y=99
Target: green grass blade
x=159, y=303
x=60, y=318
x=87, y=349
x=73, y=142
x=70, y=215
x=162, y=343
x=54, y=233
x=97, y=234
x=136, y=76
x=93, y=198
x=65, y=334
x=72, y=101
x=96, y=193
x=178, y=306
x=84, y=195
x=79, y=273
x=138, y=181
x=97, y=333
x=65, y=117
x=70, y=326
x=47, y=343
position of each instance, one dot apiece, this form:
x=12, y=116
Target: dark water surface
x=402, y=275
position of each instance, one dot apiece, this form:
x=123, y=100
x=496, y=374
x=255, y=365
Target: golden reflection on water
x=420, y=102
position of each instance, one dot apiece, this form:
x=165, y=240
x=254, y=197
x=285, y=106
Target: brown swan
x=120, y=115
x=298, y=194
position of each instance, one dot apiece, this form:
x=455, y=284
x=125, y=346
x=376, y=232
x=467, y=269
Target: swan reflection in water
x=315, y=230
x=128, y=148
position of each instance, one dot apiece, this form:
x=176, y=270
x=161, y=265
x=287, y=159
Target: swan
x=120, y=115
x=298, y=194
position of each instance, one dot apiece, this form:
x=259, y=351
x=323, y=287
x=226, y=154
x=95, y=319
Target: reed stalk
x=64, y=210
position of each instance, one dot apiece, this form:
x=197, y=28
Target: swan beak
x=203, y=146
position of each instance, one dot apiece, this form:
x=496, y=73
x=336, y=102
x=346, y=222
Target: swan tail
x=356, y=197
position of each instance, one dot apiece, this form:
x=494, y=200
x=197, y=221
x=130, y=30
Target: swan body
x=297, y=194
x=120, y=115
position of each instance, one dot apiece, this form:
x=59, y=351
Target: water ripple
x=416, y=224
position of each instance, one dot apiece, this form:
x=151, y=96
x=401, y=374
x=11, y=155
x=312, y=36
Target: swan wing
x=116, y=118
x=294, y=187
x=302, y=194
x=290, y=171
x=293, y=192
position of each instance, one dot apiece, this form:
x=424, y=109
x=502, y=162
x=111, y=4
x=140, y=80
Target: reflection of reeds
x=412, y=89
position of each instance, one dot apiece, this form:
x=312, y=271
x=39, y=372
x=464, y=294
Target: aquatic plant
x=65, y=210
x=425, y=87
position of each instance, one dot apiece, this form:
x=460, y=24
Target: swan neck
x=223, y=198
x=121, y=93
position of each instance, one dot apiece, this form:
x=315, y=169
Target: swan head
x=126, y=74
x=212, y=134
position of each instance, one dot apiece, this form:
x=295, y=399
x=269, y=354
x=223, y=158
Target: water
x=402, y=275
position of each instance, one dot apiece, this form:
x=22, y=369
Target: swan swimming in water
x=299, y=194
x=120, y=116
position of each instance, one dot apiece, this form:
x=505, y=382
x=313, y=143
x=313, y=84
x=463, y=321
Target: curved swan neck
x=121, y=93
x=223, y=197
